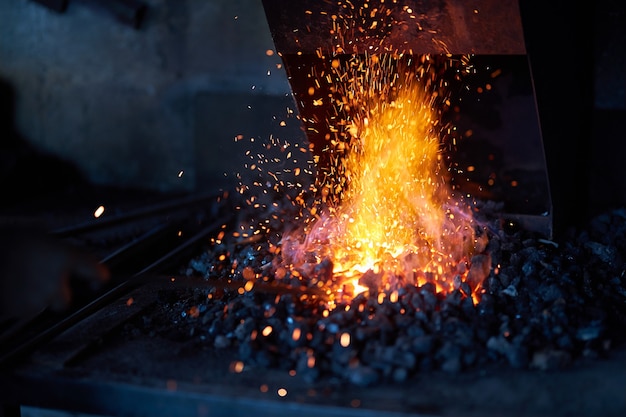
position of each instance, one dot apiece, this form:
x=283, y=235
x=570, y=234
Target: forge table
x=98, y=366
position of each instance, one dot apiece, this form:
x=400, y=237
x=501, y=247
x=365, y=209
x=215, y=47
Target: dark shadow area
x=559, y=41
x=29, y=174
x=577, y=60
x=606, y=168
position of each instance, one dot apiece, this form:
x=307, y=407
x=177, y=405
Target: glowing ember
x=98, y=212
x=383, y=216
x=391, y=204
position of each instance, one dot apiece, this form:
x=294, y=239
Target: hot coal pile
x=544, y=305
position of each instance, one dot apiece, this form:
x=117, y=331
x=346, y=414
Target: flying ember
x=385, y=216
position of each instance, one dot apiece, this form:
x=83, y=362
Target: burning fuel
x=372, y=267
x=384, y=209
x=382, y=214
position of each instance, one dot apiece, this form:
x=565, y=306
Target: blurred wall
x=135, y=107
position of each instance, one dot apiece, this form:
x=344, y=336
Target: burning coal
x=385, y=216
x=379, y=268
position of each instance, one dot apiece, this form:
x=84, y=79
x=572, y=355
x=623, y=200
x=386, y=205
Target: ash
x=545, y=305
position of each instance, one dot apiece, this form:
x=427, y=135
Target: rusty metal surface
x=432, y=26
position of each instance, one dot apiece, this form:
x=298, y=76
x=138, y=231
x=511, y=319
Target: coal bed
x=545, y=305
x=545, y=339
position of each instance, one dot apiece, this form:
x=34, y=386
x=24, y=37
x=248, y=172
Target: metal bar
x=193, y=240
x=131, y=215
x=259, y=286
x=114, y=257
x=69, y=321
x=136, y=280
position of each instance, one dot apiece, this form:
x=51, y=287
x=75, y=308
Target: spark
x=382, y=205
x=237, y=367
x=295, y=335
x=345, y=339
x=267, y=330
x=98, y=212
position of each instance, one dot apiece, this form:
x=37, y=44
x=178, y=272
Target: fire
x=391, y=203
x=386, y=215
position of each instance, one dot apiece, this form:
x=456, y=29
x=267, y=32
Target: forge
x=343, y=59
x=397, y=105
x=401, y=261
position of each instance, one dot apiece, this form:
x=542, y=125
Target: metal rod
x=200, y=235
x=69, y=321
x=135, y=281
x=131, y=215
x=116, y=254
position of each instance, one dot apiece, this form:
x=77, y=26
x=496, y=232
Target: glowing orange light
x=295, y=335
x=267, y=330
x=395, y=220
x=248, y=273
x=237, y=367
x=345, y=339
x=98, y=212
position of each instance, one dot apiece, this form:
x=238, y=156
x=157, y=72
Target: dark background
x=579, y=69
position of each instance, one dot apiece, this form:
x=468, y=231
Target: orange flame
x=391, y=202
x=394, y=221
